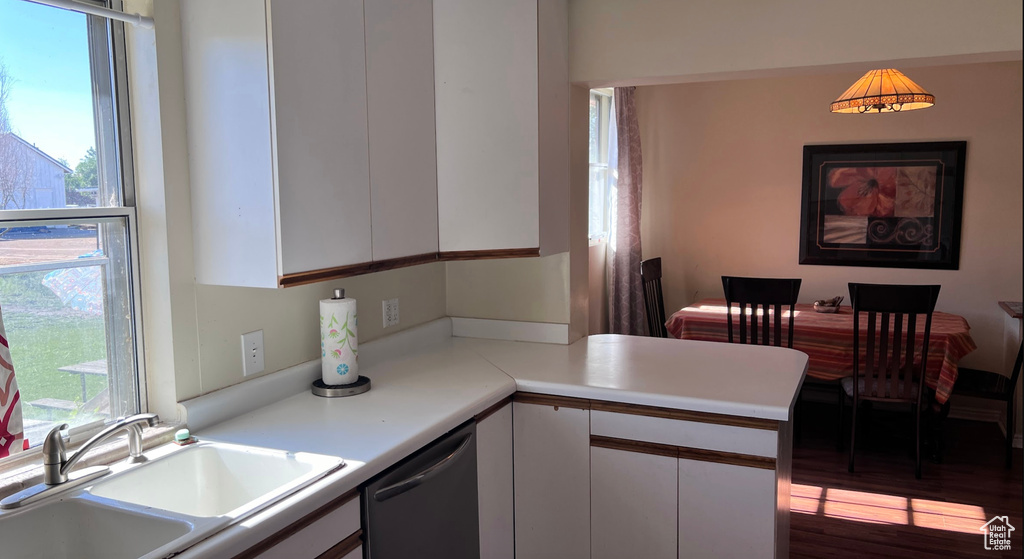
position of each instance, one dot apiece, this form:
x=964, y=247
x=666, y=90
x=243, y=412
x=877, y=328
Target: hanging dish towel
x=11, y=433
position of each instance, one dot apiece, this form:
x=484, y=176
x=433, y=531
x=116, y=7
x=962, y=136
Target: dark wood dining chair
x=893, y=365
x=766, y=294
x=993, y=386
x=654, y=303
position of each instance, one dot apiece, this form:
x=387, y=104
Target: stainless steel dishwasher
x=426, y=506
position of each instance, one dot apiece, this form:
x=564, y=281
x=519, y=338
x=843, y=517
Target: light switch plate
x=252, y=353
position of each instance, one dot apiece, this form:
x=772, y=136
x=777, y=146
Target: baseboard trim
x=510, y=330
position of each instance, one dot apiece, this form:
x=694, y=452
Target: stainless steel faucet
x=56, y=464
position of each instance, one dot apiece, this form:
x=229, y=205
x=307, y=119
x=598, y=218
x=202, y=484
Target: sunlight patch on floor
x=879, y=508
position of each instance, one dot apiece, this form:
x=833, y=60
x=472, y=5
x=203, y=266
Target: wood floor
x=881, y=510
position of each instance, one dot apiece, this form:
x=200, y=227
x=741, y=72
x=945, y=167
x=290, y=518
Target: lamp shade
x=883, y=91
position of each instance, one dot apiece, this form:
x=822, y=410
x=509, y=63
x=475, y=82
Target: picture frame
x=895, y=205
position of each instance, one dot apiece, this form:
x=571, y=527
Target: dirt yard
x=15, y=252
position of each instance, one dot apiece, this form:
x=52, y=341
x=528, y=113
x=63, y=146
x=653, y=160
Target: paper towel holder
x=322, y=389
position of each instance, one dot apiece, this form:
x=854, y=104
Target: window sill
x=26, y=469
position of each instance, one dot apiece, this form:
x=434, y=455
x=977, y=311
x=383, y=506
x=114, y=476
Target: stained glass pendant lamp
x=883, y=91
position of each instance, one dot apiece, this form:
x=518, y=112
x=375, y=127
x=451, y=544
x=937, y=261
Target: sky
x=46, y=51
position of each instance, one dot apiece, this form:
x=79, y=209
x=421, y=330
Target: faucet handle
x=53, y=446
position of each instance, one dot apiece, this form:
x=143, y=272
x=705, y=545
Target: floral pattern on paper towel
x=338, y=338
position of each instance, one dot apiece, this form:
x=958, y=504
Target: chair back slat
x=907, y=364
x=871, y=376
x=654, y=302
x=766, y=322
x=743, y=323
x=778, y=325
x=896, y=371
x=886, y=380
x=765, y=298
x=894, y=360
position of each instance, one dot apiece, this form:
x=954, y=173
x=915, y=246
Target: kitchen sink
x=216, y=479
x=80, y=528
x=158, y=508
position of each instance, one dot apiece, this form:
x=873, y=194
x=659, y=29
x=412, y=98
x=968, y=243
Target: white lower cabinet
x=633, y=507
x=495, y=484
x=726, y=510
x=552, y=481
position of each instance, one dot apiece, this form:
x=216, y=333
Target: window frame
x=606, y=99
x=115, y=142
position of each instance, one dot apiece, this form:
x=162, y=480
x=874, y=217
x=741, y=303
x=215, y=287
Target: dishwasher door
x=426, y=506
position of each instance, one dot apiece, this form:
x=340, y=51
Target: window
x=68, y=285
x=603, y=169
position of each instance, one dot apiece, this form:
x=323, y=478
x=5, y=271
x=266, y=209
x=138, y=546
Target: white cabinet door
x=319, y=95
x=633, y=504
x=227, y=95
x=485, y=80
x=400, y=103
x=495, y=485
x=552, y=481
x=277, y=135
x=726, y=510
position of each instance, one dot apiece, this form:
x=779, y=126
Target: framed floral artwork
x=883, y=205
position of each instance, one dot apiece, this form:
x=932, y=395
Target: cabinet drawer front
x=321, y=535
x=691, y=434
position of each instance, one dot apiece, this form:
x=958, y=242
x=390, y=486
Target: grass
x=44, y=336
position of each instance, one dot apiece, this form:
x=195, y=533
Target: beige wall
x=598, y=289
x=654, y=41
x=523, y=289
x=722, y=184
x=289, y=318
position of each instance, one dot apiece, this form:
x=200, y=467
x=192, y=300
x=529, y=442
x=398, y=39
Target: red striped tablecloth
x=827, y=339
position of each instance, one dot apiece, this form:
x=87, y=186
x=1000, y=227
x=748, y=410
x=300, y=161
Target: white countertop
x=741, y=380
x=420, y=396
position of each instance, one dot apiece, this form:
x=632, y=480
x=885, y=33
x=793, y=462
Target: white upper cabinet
x=485, y=86
x=328, y=135
x=319, y=95
x=277, y=134
x=400, y=99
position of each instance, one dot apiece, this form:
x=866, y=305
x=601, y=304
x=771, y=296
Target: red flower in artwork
x=865, y=190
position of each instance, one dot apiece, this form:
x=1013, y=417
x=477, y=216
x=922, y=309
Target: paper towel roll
x=339, y=341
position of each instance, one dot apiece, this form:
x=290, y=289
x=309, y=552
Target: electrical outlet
x=252, y=353
x=390, y=308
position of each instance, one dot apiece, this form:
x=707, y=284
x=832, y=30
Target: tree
x=85, y=175
x=16, y=167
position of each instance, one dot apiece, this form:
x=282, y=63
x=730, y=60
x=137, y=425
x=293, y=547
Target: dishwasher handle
x=395, y=489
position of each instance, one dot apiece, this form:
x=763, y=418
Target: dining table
x=827, y=339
